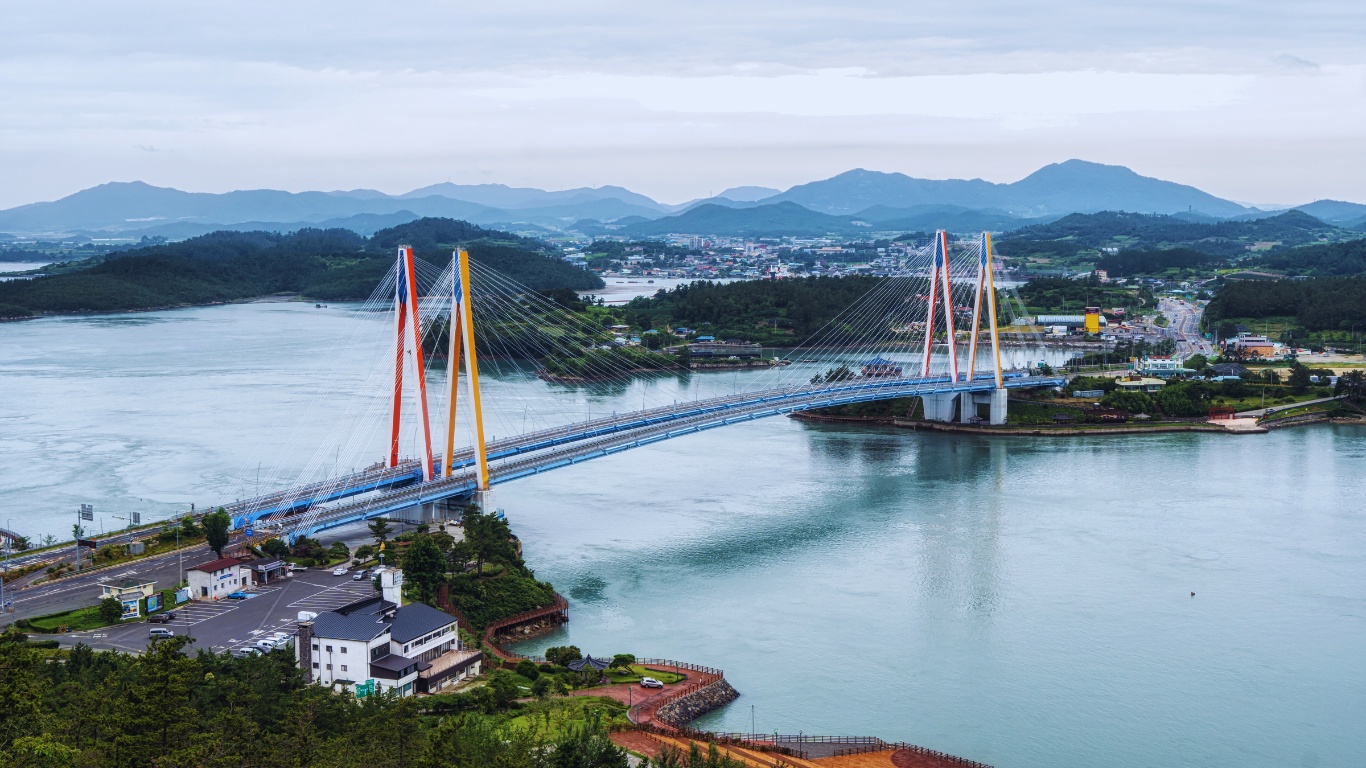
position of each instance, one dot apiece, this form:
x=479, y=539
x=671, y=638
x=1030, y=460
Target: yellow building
x=1093, y=320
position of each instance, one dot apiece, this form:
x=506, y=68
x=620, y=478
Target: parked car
x=339, y=571
x=281, y=640
x=240, y=596
x=360, y=576
x=246, y=651
x=159, y=633
x=265, y=644
x=161, y=618
x=650, y=682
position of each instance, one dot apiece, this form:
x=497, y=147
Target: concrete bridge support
x=994, y=399
x=963, y=406
x=941, y=406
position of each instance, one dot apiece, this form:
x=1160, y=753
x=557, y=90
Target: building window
x=343, y=649
x=315, y=646
x=315, y=665
x=343, y=667
x=329, y=649
x=328, y=667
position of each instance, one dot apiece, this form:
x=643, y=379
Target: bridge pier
x=964, y=406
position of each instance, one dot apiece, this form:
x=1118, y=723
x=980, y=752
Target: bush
x=528, y=669
x=1133, y=402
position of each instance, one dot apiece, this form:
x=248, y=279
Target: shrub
x=528, y=669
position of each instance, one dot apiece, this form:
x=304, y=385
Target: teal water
x=1018, y=601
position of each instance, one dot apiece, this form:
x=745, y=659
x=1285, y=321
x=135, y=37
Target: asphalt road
x=228, y=624
x=1183, y=327
x=165, y=570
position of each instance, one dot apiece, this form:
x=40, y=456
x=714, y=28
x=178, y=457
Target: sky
x=1256, y=101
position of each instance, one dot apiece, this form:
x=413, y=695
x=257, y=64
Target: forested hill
x=1079, y=232
x=773, y=312
x=327, y=265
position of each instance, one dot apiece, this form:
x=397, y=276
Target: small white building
x=217, y=579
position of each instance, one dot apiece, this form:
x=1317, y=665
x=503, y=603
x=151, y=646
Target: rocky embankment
x=694, y=705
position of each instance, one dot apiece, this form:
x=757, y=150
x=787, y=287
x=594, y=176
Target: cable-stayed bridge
x=929, y=331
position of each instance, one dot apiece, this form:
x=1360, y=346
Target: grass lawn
x=635, y=672
x=74, y=620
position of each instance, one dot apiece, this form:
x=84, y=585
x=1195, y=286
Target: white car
x=265, y=644
x=339, y=571
x=650, y=682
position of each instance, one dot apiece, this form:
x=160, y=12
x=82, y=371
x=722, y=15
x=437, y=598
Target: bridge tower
x=462, y=349
x=963, y=406
x=940, y=283
x=408, y=329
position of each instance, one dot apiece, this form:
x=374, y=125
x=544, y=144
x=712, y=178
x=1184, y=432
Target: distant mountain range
x=852, y=202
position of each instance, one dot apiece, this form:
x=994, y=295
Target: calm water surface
x=1021, y=602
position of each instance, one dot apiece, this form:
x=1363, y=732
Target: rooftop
x=216, y=565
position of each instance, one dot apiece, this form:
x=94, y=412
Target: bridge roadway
x=573, y=444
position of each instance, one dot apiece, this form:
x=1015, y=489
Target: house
x=880, y=366
x=376, y=643
x=217, y=578
x=130, y=595
x=1161, y=367
x=1252, y=346
x=264, y=570
x=1140, y=384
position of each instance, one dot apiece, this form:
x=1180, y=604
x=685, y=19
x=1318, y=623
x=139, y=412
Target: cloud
x=677, y=98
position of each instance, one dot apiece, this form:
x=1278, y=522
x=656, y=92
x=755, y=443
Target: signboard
x=87, y=512
x=131, y=608
x=88, y=543
x=137, y=518
x=153, y=603
x=250, y=532
x=182, y=596
x=364, y=689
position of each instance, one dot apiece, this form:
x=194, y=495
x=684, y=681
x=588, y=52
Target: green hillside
x=328, y=265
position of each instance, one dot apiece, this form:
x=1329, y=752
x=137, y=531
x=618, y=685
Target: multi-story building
x=377, y=644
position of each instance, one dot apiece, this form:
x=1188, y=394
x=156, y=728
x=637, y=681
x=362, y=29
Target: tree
x=20, y=543
x=1299, y=378
x=338, y=551
x=424, y=568
x=1352, y=384
x=216, y=530
x=541, y=687
x=504, y=688
x=275, y=548
x=380, y=529
x=1197, y=362
x=622, y=660
x=561, y=655
x=111, y=610
x=528, y=669
x=188, y=529
x=587, y=746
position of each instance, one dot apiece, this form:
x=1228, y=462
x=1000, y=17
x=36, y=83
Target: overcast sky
x=1253, y=100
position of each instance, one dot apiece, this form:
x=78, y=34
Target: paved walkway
x=1278, y=408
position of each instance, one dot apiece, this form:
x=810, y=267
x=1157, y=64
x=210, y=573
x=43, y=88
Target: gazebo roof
x=588, y=662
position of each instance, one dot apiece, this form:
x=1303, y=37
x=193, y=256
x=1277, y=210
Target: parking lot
x=225, y=625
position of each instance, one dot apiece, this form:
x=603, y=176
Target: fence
x=559, y=608
x=939, y=758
